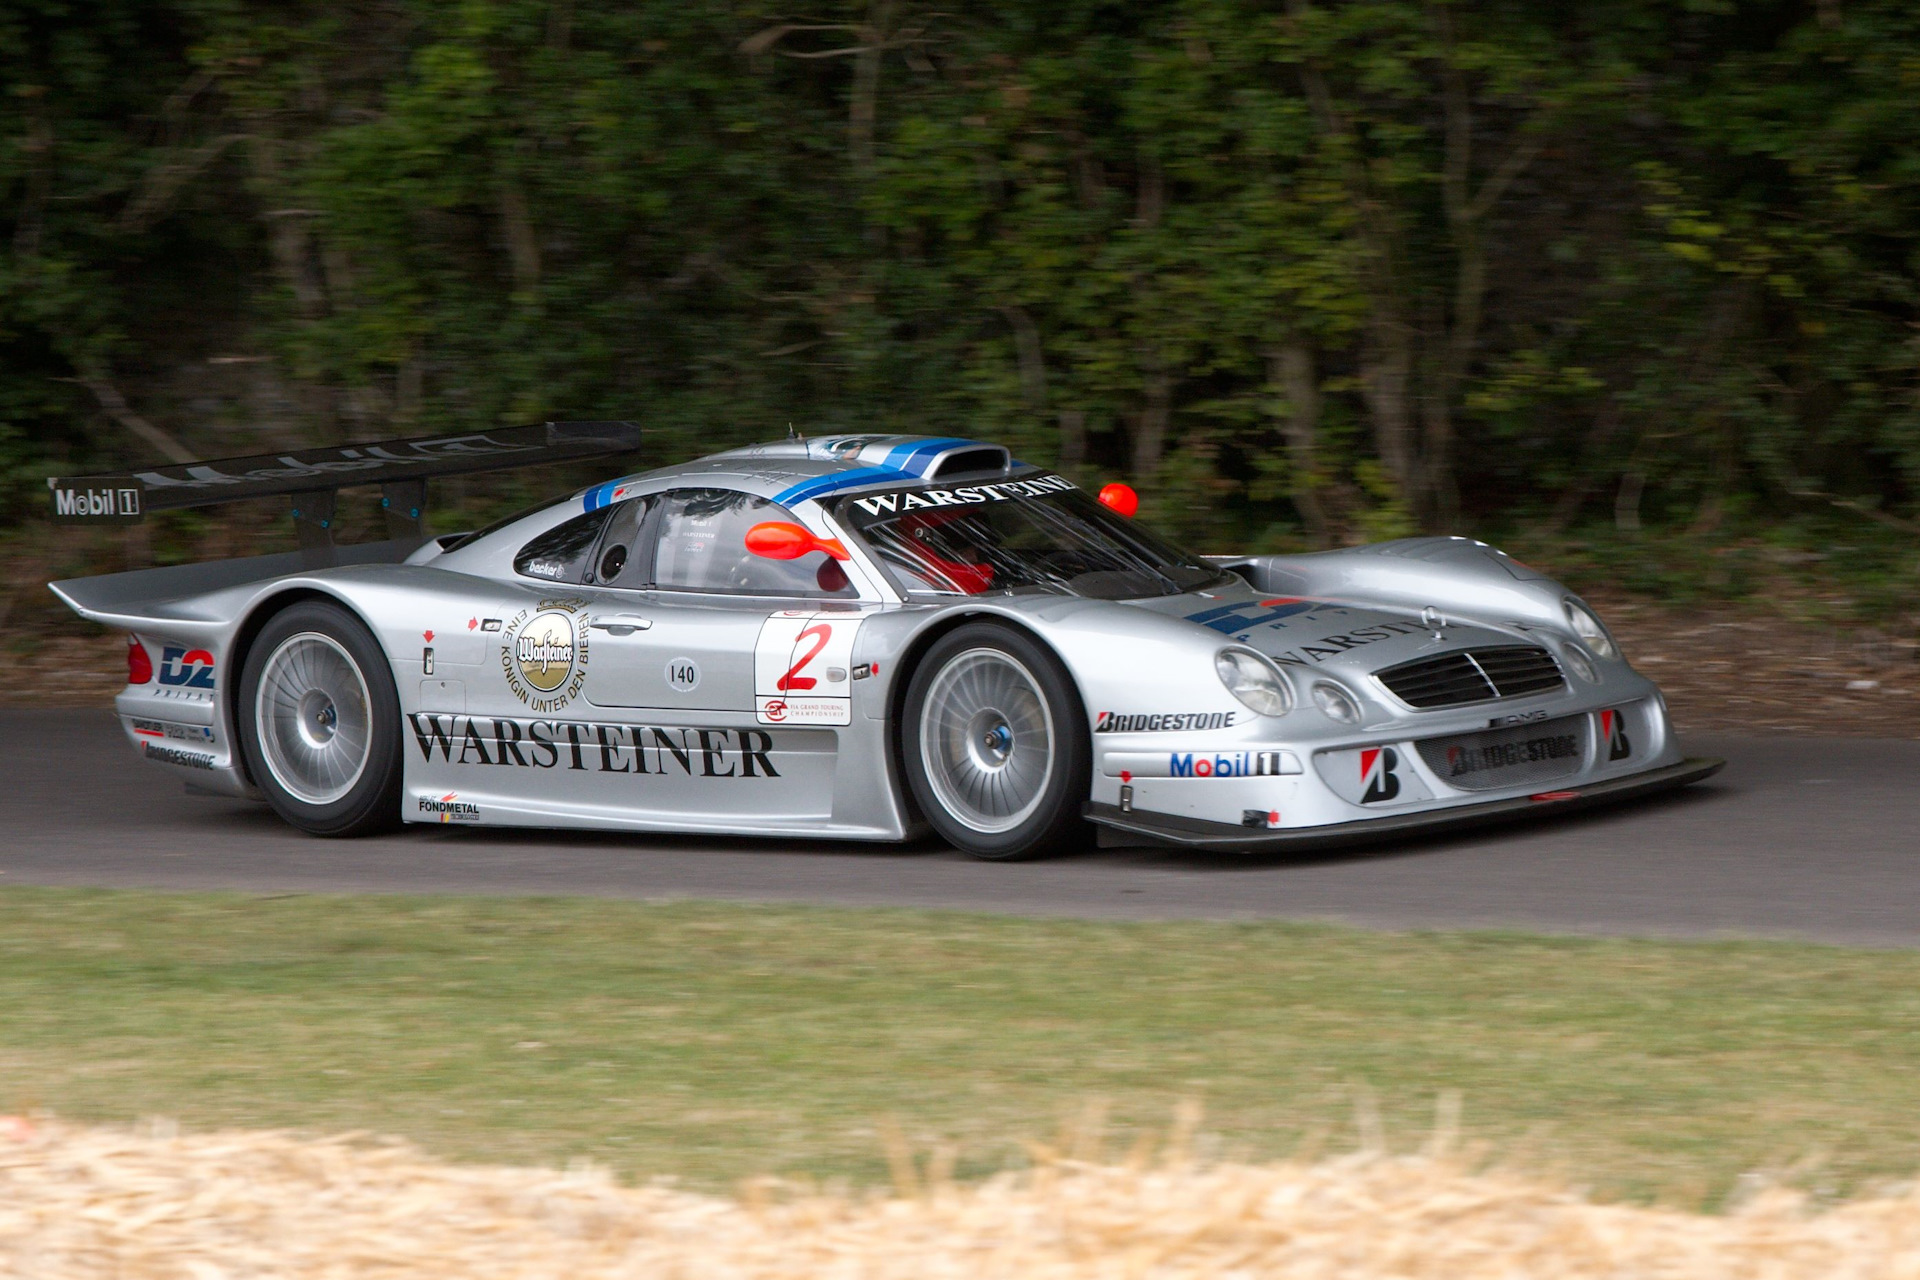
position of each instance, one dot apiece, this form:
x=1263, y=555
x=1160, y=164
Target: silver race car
x=853, y=637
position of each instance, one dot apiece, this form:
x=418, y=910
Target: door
x=687, y=641
x=663, y=652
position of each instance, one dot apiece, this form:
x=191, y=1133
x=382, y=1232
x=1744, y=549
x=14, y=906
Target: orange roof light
x=1120, y=498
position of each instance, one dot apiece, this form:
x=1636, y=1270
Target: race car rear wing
x=313, y=477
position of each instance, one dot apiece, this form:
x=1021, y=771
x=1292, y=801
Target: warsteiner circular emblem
x=543, y=654
x=544, y=650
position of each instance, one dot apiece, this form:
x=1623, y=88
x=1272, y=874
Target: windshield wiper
x=1089, y=535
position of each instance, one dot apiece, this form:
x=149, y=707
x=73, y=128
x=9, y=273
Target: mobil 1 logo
x=95, y=503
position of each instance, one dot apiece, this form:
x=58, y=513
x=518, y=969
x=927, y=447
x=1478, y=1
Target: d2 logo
x=186, y=668
x=1613, y=727
x=1377, y=765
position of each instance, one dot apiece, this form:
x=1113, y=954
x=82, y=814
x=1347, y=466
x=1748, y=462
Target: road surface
x=1804, y=838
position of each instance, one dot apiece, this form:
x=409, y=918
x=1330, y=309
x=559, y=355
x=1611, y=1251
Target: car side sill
x=1119, y=828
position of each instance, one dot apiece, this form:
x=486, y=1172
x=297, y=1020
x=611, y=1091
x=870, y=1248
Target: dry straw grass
x=80, y=1202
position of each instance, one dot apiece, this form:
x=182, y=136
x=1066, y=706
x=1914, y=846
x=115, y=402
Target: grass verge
x=717, y=1041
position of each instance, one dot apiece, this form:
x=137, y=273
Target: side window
x=622, y=558
x=703, y=547
x=560, y=554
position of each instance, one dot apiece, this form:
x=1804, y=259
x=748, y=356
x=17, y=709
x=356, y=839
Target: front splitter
x=1118, y=828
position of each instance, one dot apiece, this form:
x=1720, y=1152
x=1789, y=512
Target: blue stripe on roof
x=821, y=485
x=903, y=462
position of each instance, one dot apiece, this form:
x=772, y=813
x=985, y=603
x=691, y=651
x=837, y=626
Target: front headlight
x=1336, y=702
x=1588, y=627
x=1577, y=659
x=1255, y=681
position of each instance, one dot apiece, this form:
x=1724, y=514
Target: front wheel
x=995, y=744
x=320, y=722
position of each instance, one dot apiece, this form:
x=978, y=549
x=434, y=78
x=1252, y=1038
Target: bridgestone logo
x=173, y=755
x=1509, y=755
x=1173, y=722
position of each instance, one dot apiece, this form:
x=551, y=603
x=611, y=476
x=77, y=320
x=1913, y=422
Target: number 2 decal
x=821, y=632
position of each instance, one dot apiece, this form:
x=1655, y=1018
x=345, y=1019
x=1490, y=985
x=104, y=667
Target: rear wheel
x=995, y=744
x=320, y=722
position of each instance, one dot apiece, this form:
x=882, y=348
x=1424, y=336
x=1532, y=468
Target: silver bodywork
x=667, y=715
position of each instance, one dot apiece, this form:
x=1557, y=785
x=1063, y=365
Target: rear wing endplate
x=312, y=477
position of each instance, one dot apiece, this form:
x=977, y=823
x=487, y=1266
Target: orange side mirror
x=1120, y=498
x=784, y=540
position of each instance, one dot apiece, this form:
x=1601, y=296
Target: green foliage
x=1308, y=272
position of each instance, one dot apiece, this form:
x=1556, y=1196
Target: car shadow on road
x=1505, y=831
x=257, y=820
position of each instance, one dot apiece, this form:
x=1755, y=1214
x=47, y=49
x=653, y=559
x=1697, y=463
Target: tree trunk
x=1073, y=439
x=1439, y=491
x=1150, y=431
x=864, y=110
x=1291, y=369
x=1386, y=372
x=1033, y=364
x=1626, y=501
x=1589, y=459
x=523, y=246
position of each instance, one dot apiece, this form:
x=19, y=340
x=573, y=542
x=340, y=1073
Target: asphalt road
x=1808, y=838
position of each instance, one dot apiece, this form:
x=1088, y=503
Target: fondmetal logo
x=450, y=808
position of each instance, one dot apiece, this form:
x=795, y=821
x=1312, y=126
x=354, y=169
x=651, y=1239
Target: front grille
x=1524, y=756
x=1473, y=675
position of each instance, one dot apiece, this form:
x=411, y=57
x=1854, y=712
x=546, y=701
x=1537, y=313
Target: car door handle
x=622, y=624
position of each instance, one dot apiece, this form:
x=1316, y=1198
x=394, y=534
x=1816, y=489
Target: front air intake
x=1473, y=675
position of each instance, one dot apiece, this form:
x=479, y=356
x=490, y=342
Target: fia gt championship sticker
x=801, y=665
x=543, y=654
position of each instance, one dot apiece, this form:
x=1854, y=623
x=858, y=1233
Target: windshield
x=1034, y=534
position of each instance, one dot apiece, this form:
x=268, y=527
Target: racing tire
x=320, y=722
x=995, y=744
